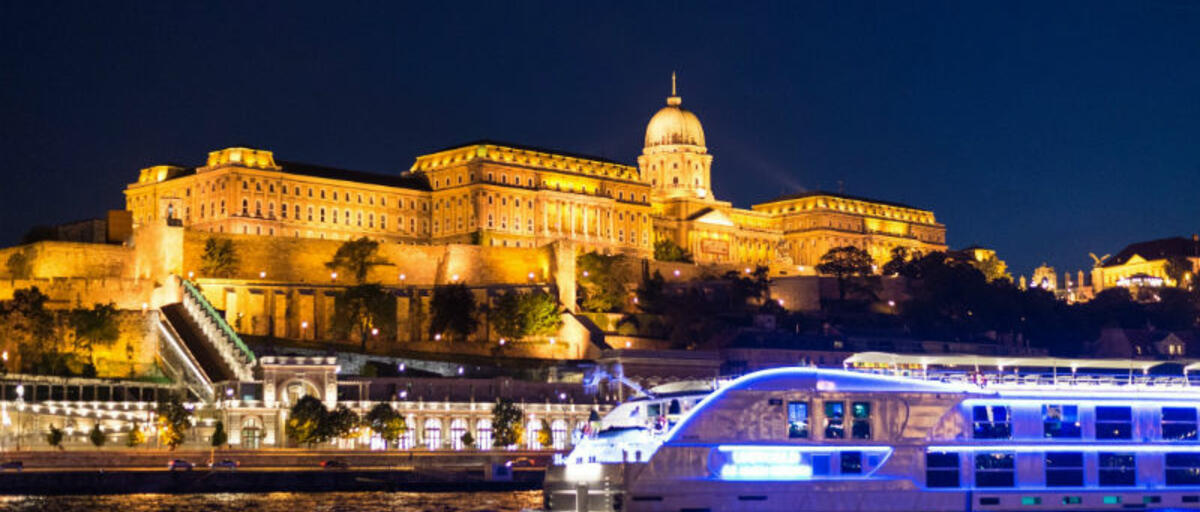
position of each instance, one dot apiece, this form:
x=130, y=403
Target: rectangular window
x=860, y=428
x=992, y=422
x=797, y=420
x=1117, y=469
x=941, y=469
x=1064, y=469
x=1183, y=468
x=994, y=469
x=835, y=420
x=852, y=463
x=1114, y=422
x=1061, y=421
x=1179, y=423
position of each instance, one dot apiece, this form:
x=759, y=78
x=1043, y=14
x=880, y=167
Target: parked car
x=12, y=464
x=229, y=464
x=521, y=462
x=180, y=464
x=334, y=464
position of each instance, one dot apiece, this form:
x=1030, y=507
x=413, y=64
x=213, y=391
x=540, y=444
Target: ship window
x=1183, y=468
x=820, y=464
x=797, y=420
x=1117, y=469
x=852, y=463
x=1114, y=423
x=994, y=469
x=835, y=419
x=1064, y=469
x=992, y=422
x=1072, y=500
x=941, y=469
x=1179, y=423
x=1061, y=421
x=861, y=426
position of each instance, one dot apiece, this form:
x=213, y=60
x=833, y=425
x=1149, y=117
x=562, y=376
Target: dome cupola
x=674, y=126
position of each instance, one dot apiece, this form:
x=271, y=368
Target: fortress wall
x=65, y=259
x=302, y=260
x=70, y=292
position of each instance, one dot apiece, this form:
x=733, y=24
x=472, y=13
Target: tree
x=845, y=263
x=19, y=265
x=992, y=268
x=508, y=423
x=94, y=327
x=55, y=437
x=135, y=437
x=341, y=422
x=651, y=293
x=219, y=259
x=744, y=287
x=219, y=437
x=1178, y=269
x=173, y=421
x=545, y=439
x=96, y=436
x=363, y=309
x=899, y=257
x=517, y=315
x=25, y=321
x=454, y=309
x=602, y=288
x=385, y=421
x=467, y=440
x=666, y=249
x=305, y=421
x=356, y=258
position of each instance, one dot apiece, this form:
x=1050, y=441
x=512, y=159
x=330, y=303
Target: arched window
x=433, y=433
x=245, y=207
x=406, y=439
x=675, y=180
x=531, y=434
x=333, y=215
x=458, y=427
x=483, y=434
x=252, y=428
x=558, y=434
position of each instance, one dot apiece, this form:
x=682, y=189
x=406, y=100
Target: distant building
x=1146, y=264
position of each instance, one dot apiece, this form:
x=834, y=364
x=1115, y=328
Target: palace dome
x=674, y=126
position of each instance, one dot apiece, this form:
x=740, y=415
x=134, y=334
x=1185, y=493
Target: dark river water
x=283, y=502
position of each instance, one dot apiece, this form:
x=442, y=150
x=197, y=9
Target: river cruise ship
x=897, y=433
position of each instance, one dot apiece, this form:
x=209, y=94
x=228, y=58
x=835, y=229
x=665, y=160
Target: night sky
x=1044, y=130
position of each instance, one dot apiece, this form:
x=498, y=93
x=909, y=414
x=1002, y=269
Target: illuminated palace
x=515, y=196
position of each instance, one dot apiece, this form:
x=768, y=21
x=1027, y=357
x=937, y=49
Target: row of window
x=1062, y=421
x=1062, y=469
x=835, y=421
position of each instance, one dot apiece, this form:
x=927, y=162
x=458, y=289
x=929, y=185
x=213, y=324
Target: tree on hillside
x=363, y=308
x=517, y=315
x=453, y=307
x=306, y=422
x=992, y=268
x=845, y=263
x=666, y=249
x=356, y=258
x=26, y=323
x=135, y=437
x=95, y=327
x=744, y=287
x=219, y=258
x=174, y=421
x=601, y=287
x=651, y=294
x=899, y=257
x=385, y=421
x=508, y=423
x=1178, y=269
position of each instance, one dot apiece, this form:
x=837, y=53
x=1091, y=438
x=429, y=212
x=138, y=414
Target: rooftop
x=1156, y=250
x=821, y=193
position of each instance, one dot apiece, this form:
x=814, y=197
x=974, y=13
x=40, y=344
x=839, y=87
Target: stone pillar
x=564, y=273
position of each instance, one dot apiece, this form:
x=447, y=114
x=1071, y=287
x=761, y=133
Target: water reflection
x=282, y=502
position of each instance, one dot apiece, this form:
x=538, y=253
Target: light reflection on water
x=282, y=502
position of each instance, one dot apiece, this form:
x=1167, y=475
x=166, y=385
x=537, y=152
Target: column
x=572, y=210
x=586, y=234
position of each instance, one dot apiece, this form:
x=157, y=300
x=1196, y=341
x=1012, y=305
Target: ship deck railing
x=1049, y=379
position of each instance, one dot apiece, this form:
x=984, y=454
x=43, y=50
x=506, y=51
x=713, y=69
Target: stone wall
x=302, y=260
x=50, y=259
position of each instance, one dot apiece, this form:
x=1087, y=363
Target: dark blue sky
x=1045, y=130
